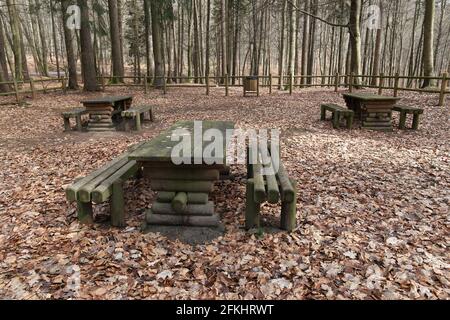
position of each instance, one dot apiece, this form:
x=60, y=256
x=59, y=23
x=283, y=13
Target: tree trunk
x=428, y=40
x=87, y=50
x=155, y=8
x=355, y=38
x=68, y=40
x=116, y=50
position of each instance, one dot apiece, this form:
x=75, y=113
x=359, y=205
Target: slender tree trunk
x=116, y=50
x=355, y=37
x=87, y=50
x=68, y=39
x=155, y=8
x=428, y=40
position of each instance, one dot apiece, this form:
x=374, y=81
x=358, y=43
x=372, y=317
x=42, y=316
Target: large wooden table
x=183, y=190
x=105, y=112
x=374, y=111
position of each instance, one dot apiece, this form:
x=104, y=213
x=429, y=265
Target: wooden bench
x=76, y=113
x=404, y=111
x=102, y=185
x=136, y=115
x=338, y=113
x=272, y=188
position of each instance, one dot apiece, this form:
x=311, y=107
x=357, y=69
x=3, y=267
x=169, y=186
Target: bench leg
x=416, y=122
x=150, y=113
x=138, y=122
x=350, y=119
x=289, y=213
x=402, y=124
x=117, y=205
x=252, y=209
x=79, y=123
x=66, y=124
x=336, y=119
x=84, y=212
x=323, y=114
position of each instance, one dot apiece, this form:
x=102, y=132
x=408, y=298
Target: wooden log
x=118, y=205
x=72, y=190
x=272, y=191
x=183, y=174
x=260, y=190
x=84, y=212
x=66, y=124
x=183, y=220
x=190, y=209
x=252, y=208
x=103, y=191
x=179, y=202
x=289, y=213
x=165, y=197
x=192, y=197
x=182, y=185
x=288, y=190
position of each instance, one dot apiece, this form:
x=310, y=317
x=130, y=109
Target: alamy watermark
x=236, y=146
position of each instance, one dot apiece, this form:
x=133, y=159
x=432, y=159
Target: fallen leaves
x=373, y=208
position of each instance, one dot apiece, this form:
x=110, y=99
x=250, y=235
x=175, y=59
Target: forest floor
x=373, y=207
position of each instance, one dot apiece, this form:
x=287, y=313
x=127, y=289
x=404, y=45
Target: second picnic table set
x=109, y=113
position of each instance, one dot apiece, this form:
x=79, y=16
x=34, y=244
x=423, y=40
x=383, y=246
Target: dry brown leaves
x=373, y=208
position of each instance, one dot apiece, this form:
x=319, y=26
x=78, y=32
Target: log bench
x=136, y=115
x=404, y=111
x=338, y=114
x=273, y=188
x=75, y=113
x=102, y=185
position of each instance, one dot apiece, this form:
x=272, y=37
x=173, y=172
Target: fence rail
x=382, y=82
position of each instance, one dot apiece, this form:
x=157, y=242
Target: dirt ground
x=373, y=207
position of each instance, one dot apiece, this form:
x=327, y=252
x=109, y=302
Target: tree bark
x=428, y=40
x=87, y=50
x=116, y=50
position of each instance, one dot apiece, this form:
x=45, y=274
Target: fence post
x=380, y=88
x=350, y=83
x=226, y=84
x=164, y=85
x=207, y=84
x=16, y=90
x=63, y=85
x=33, y=92
x=270, y=83
x=145, y=84
x=396, y=80
x=336, y=82
x=443, y=89
x=257, y=86
x=291, y=80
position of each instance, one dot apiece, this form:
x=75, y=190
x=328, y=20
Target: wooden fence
x=381, y=82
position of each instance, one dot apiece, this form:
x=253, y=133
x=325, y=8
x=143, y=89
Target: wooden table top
x=370, y=97
x=109, y=99
x=159, y=149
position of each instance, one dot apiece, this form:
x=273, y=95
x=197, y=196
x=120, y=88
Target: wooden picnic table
x=183, y=189
x=105, y=112
x=374, y=111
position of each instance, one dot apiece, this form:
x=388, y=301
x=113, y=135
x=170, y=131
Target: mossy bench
x=136, y=115
x=338, y=114
x=75, y=113
x=404, y=111
x=273, y=188
x=102, y=185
